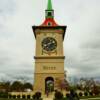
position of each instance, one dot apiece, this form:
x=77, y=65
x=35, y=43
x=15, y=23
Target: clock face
x=49, y=44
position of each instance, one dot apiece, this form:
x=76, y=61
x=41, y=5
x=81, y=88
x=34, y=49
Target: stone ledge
x=48, y=57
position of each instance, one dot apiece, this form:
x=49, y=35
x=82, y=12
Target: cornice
x=49, y=57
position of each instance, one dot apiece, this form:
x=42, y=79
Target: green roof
x=49, y=7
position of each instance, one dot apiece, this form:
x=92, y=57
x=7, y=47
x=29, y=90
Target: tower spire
x=49, y=7
x=49, y=11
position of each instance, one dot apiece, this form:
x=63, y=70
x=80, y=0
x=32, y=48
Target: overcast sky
x=81, y=43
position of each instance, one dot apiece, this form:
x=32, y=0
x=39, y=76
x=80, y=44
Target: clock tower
x=49, y=56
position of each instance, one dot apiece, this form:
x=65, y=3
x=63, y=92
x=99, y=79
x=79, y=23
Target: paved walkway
x=48, y=99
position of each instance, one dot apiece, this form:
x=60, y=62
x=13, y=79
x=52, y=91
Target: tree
x=27, y=86
x=96, y=90
x=17, y=86
x=86, y=84
x=62, y=84
x=5, y=86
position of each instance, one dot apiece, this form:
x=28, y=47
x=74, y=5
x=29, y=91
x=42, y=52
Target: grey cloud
x=7, y=10
x=4, y=58
x=7, y=7
x=82, y=41
x=11, y=76
x=91, y=45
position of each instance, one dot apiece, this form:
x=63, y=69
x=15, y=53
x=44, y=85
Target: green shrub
x=37, y=96
x=85, y=93
x=14, y=96
x=23, y=96
x=80, y=94
x=91, y=93
x=33, y=97
x=3, y=95
x=58, y=95
x=28, y=96
x=72, y=93
x=9, y=96
x=67, y=95
x=18, y=96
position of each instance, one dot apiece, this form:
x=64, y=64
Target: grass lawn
x=84, y=97
x=13, y=99
x=31, y=99
x=91, y=99
x=87, y=98
x=94, y=99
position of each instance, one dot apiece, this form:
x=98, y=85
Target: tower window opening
x=49, y=23
x=49, y=13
